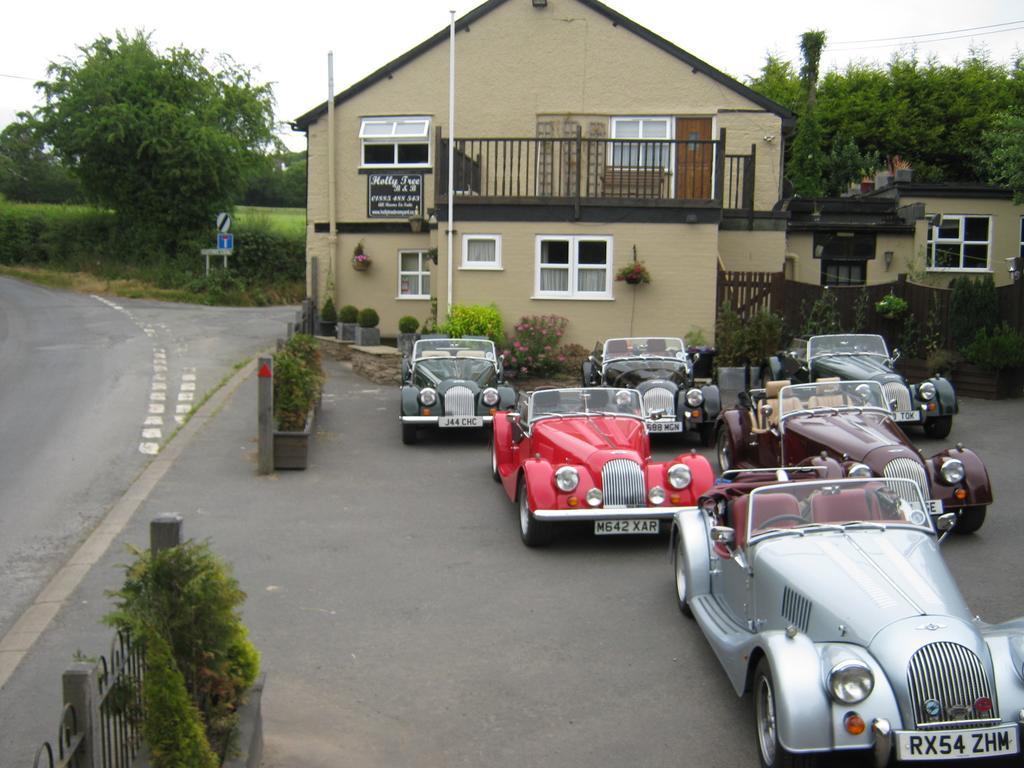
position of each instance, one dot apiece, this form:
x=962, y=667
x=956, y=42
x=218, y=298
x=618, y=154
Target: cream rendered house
x=583, y=142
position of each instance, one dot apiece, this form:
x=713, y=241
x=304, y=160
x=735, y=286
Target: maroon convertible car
x=584, y=454
x=851, y=423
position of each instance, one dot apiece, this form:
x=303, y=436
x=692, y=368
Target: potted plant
x=994, y=365
x=348, y=319
x=328, y=318
x=360, y=260
x=367, y=332
x=298, y=378
x=891, y=306
x=634, y=274
x=407, y=327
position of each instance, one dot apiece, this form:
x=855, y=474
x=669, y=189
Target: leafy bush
x=730, y=345
x=184, y=604
x=996, y=350
x=942, y=361
x=348, y=314
x=368, y=318
x=408, y=324
x=739, y=341
x=298, y=378
x=474, y=320
x=973, y=306
x=329, y=314
x=823, y=316
x=891, y=306
x=220, y=287
x=535, y=349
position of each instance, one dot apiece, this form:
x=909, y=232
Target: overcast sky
x=291, y=51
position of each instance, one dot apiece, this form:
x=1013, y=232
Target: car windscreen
x=476, y=369
x=832, y=395
x=640, y=346
x=849, y=344
x=453, y=347
x=822, y=503
x=586, y=400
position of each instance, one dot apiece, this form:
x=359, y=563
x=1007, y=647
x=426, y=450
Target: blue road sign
x=225, y=241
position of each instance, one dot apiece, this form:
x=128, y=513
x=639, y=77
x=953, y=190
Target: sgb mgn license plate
x=616, y=527
x=908, y=415
x=956, y=745
x=460, y=421
x=664, y=426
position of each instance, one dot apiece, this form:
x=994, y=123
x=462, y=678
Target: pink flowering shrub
x=535, y=349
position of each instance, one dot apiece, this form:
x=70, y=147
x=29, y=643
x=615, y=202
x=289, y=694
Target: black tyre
x=939, y=427
x=494, y=461
x=533, y=532
x=970, y=520
x=771, y=752
x=724, y=450
x=682, y=585
x=409, y=433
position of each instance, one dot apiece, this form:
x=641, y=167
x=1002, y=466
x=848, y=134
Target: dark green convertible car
x=864, y=356
x=452, y=384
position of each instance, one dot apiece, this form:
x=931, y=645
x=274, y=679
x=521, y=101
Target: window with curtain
x=960, y=243
x=481, y=251
x=413, y=275
x=574, y=267
x=643, y=142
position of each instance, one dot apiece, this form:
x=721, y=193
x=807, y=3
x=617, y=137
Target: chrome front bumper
x=615, y=513
x=433, y=419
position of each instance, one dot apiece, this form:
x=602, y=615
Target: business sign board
x=394, y=195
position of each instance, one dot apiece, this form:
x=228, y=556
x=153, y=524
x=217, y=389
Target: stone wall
x=381, y=365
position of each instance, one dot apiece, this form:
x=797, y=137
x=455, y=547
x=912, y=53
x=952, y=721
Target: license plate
x=619, y=527
x=908, y=415
x=460, y=421
x=934, y=507
x=956, y=745
x=664, y=426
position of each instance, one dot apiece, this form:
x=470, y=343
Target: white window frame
x=934, y=240
x=669, y=131
x=396, y=130
x=481, y=265
x=424, y=269
x=573, y=268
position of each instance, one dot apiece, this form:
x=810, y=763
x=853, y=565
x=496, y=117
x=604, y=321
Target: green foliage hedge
x=408, y=324
x=474, y=320
x=298, y=378
x=368, y=318
x=1003, y=347
x=973, y=307
x=349, y=313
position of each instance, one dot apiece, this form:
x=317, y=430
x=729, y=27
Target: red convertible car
x=584, y=454
x=852, y=423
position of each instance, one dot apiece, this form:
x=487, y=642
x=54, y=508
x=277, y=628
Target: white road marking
x=154, y=421
x=153, y=434
x=156, y=408
x=151, y=449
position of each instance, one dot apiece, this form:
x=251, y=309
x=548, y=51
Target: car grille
x=953, y=676
x=894, y=390
x=623, y=484
x=907, y=469
x=796, y=609
x=659, y=398
x=459, y=401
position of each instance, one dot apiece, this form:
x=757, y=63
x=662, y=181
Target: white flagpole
x=451, y=154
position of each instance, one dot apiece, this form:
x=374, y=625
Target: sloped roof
x=302, y=122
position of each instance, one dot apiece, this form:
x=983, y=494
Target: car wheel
x=408, y=433
x=533, y=532
x=707, y=433
x=494, y=461
x=724, y=450
x=970, y=520
x=682, y=590
x=938, y=427
x=771, y=752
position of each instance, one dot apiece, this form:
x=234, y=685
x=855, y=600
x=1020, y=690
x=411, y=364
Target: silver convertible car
x=830, y=601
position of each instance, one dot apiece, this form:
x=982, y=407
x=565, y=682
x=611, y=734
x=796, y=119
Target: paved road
x=89, y=387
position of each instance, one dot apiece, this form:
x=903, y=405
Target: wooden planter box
x=972, y=381
x=291, y=449
x=915, y=369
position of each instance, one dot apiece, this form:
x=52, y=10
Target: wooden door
x=694, y=158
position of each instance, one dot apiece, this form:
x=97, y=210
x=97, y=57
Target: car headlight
x=859, y=470
x=926, y=391
x=490, y=396
x=567, y=478
x=694, y=397
x=952, y=471
x=594, y=497
x=679, y=476
x=428, y=396
x=656, y=495
x=850, y=682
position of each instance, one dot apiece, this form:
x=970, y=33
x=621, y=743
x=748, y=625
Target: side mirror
x=695, y=357
x=657, y=413
x=724, y=535
x=946, y=521
x=895, y=354
x=767, y=410
x=893, y=404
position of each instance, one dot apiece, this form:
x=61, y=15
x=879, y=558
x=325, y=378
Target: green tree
x=1003, y=144
x=281, y=181
x=807, y=159
x=159, y=138
x=28, y=172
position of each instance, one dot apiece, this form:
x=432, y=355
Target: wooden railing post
x=579, y=170
x=719, y=168
x=748, y=184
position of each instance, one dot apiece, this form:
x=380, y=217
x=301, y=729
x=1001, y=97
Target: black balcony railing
x=586, y=169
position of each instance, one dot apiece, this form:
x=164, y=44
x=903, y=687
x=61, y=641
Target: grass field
x=287, y=221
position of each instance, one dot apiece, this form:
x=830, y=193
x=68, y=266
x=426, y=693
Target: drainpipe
x=332, y=237
x=451, y=154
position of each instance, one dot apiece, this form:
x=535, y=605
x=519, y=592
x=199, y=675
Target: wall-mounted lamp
x=887, y=257
x=1013, y=267
x=935, y=220
x=769, y=138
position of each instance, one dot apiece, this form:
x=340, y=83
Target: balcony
x=580, y=178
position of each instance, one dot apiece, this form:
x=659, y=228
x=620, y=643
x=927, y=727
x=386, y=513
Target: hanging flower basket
x=634, y=274
x=360, y=260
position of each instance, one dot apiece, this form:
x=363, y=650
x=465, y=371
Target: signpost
x=225, y=241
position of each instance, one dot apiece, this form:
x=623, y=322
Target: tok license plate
x=956, y=745
x=460, y=421
x=664, y=426
x=908, y=415
x=619, y=527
